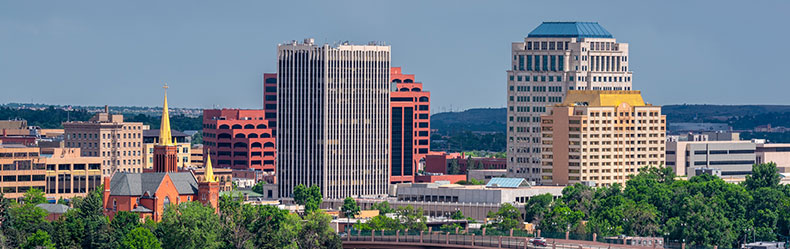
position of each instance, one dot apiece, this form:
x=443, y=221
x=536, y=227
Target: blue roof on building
x=570, y=30
x=500, y=182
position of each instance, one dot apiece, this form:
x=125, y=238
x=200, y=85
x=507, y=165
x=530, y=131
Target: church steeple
x=209, y=170
x=165, y=153
x=165, y=137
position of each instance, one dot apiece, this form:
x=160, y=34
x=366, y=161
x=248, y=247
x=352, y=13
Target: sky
x=214, y=54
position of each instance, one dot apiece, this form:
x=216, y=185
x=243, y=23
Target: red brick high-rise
x=270, y=98
x=410, y=116
x=239, y=139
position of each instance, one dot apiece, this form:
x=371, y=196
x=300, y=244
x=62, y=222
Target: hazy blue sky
x=120, y=52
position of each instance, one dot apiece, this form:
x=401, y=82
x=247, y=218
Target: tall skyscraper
x=411, y=126
x=554, y=58
x=333, y=114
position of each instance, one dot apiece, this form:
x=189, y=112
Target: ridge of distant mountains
x=740, y=117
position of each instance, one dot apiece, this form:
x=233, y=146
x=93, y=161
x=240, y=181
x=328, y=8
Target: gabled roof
x=136, y=184
x=570, y=30
x=499, y=182
x=54, y=208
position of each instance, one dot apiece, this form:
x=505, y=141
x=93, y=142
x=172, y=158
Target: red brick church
x=149, y=193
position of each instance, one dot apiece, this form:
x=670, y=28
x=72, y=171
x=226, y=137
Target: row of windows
x=104, y=136
x=544, y=45
x=526, y=109
x=236, y=126
x=552, y=63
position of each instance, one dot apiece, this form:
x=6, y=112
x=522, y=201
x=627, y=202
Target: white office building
x=552, y=59
x=333, y=114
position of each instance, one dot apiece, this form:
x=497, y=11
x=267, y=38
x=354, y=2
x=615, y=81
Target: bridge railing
x=439, y=237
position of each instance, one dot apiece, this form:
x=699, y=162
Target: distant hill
x=740, y=117
x=475, y=120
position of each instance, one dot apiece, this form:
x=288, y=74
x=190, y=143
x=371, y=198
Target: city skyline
x=118, y=48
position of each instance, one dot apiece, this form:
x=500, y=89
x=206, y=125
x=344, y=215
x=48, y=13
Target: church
x=149, y=193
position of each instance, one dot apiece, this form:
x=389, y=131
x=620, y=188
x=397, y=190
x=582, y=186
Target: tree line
x=703, y=210
x=186, y=225
x=52, y=118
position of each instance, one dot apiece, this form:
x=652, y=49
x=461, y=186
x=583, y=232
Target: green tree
x=316, y=232
x=561, y=219
x=537, y=207
x=506, y=218
x=273, y=227
x=197, y=138
x=34, y=196
x=383, y=207
x=140, y=238
x=763, y=175
x=189, y=225
x=411, y=218
x=258, y=187
x=310, y=198
x=350, y=208
x=453, y=168
x=39, y=239
x=25, y=219
x=379, y=222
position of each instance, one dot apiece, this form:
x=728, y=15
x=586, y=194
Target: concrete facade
x=549, y=62
x=333, y=109
x=431, y=192
x=732, y=158
x=775, y=153
x=601, y=137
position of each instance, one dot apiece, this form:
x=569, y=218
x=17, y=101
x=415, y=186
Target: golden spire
x=165, y=138
x=209, y=169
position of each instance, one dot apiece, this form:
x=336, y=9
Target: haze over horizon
x=95, y=53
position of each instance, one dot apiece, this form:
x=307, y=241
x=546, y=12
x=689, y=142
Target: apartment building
x=411, y=126
x=107, y=136
x=333, y=105
x=600, y=137
x=554, y=58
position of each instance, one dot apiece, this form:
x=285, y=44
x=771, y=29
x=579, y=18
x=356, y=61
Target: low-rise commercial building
x=485, y=174
x=774, y=153
x=443, y=162
x=497, y=191
x=22, y=170
x=59, y=172
x=69, y=174
x=731, y=158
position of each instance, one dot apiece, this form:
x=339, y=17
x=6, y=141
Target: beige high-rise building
x=554, y=58
x=106, y=135
x=601, y=137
